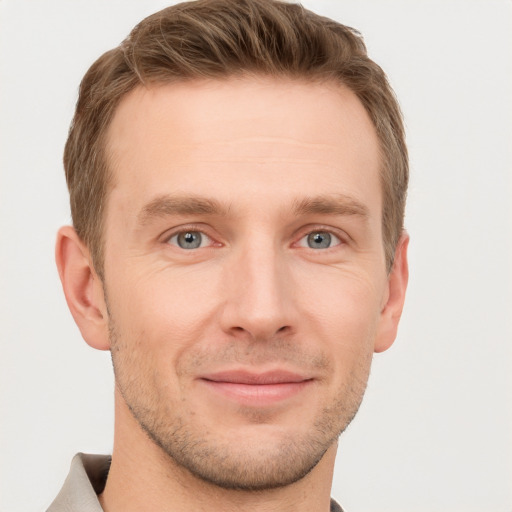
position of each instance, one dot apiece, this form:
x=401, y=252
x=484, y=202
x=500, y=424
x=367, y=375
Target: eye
x=319, y=240
x=190, y=240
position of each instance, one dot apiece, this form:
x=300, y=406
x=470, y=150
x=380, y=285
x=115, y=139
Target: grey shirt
x=86, y=479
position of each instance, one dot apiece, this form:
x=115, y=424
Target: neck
x=143, y=477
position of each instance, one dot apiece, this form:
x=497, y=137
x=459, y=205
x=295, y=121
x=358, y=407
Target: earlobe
x=82, y=288
x=397, y=286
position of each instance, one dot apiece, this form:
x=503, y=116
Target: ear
x=395, y=297
x=83, y=288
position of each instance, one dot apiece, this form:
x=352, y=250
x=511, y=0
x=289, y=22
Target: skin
x=238, y=363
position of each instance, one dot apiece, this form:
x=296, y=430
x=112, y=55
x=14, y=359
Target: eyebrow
x=165, y=205
x=336, y=204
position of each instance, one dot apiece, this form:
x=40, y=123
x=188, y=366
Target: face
x=244, y=272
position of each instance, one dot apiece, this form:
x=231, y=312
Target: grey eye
x=189, y=239
x=319, y=240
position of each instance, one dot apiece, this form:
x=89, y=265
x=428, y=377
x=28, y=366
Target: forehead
x=255, y=135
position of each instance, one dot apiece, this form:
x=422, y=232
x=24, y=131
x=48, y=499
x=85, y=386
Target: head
x=237, y=174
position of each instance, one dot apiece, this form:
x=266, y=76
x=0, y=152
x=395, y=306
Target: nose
x=259, y=291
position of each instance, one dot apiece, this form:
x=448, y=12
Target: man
x=237, y=174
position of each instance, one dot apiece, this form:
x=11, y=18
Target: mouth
x=257, y=389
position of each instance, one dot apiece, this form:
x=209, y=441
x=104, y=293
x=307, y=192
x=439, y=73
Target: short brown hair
x=219, y=39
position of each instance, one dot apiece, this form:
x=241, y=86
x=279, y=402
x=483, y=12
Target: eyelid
x=169, y=234
x=205, y=240
x=319, y=228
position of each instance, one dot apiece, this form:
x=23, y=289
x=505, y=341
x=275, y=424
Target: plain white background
x=434, y=433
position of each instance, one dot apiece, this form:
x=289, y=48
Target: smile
x=257, y=389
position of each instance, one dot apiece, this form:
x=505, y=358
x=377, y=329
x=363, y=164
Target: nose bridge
x=259, y=300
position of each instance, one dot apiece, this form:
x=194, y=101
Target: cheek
x=164, y=311
x=343, y=309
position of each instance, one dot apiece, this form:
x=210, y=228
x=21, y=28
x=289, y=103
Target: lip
x=257, y=389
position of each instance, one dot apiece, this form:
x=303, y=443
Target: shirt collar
x=86, y=479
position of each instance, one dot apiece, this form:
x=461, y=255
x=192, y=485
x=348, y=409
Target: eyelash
x=305, y=233
x=190, y=229
x=342, y=237
x=318, y=232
